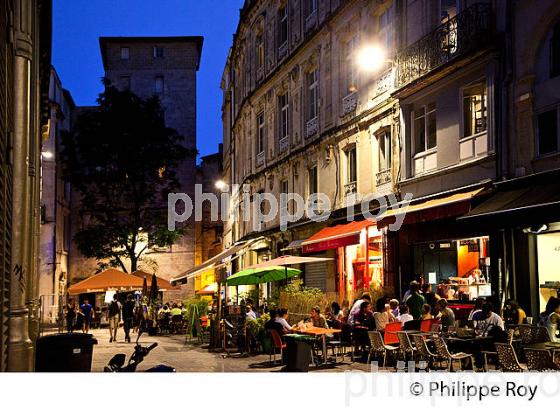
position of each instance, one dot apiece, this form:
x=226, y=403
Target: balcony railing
x=350, y=188
x=283, y=50
x=312, y=126
x=349, y=103
x=467, y=31
x=260, y=73
x=260, y=159
x=283, y=144
x=311, y=21
x=383, y=177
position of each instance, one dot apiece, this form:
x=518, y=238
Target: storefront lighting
x=221, y=185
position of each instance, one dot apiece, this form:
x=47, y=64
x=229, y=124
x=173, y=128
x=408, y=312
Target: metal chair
x=378, y=347
x=508, y=358
x=422, y=350
x=486, y=353
x=443, y=352
x=540, y=360
x=525, y=334
x=540, y=335
x=341, y=341
x=405, y=347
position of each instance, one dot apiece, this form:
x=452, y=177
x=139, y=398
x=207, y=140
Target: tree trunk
x=133, y=263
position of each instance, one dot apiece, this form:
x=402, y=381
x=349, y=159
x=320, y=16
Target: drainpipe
x=20, y=346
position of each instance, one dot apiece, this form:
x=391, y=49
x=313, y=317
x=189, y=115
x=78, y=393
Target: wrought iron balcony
x=311, y=21
x=283, y=50
x=260, y=73
x=283, y=144
x=260, y=159
x=468, y=31
x=312, y=126
x=350, y=188
x=383, y=177
x=349, y=103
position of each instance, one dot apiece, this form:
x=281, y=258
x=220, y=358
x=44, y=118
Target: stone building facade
x=166, y=67
x=463, y=115
x=56, y=198
x=301, y=117
x=25, y=50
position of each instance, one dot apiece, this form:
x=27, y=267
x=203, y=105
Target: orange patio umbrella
x=162, y=284
x=110, y=279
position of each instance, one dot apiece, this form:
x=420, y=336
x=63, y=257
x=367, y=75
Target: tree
x=122, y=160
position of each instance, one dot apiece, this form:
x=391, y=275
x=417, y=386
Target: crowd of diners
x=420, y=302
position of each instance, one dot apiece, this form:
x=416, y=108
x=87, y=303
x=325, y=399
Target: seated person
x=362, y=322
x=426, y=312
x=272, y=324
x=446, y=315
x=336, y=314
x=478, y=303
x=250, y=313
x=553, y=320
x=485, y=320
x=394, y=304
x=282, y=319
x=383, y=316
x=513, y=314
x=317, y=318
x=404, y=315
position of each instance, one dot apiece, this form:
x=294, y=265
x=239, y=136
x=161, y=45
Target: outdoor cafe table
x=319, y=332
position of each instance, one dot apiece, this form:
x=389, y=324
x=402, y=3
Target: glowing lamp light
x=47, y=154
x=371, y=58
x=220, y=184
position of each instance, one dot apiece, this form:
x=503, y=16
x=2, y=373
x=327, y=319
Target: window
x=313, y=180
x=260, y=51
x=312, y=94
x=125, y=53
x=260, y=133
x=67, y=233
x=284, y=115
x=384, y=140
x=547, y=123
x=158, y=52
x=351, y=165
x=425, y=128
x=555, y=51
x=311, y=7
x=284, y=189
x=125, y=82
x=474, y=110
x=447, y=9
x=158, y=85
x=350, y=49
x=385, y=29
x=283, y=25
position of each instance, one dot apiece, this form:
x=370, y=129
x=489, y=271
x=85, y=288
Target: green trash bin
x=298, y=353
x=65, y=352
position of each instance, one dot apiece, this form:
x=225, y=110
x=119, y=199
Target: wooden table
x=318, y=332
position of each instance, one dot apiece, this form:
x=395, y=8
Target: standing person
x=415, y=301
x=430, y=296
x=86, y=311
x=356, y=307
x=128, y=316
x=70, y=309
x=114, y=316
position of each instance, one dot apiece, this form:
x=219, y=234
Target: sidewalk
x=173, y=351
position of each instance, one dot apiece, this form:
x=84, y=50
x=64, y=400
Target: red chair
x=277, y=344
x=426, y=325
x=390, y=337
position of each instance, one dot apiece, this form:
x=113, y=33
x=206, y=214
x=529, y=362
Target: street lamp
x=371, y=58
x=220, y=184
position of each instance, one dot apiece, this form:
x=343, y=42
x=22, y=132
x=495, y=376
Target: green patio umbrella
x=262, y=275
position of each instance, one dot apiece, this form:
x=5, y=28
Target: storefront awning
x=432, y=208
x=333, y=237
x=208, y=290
x=294, y=245
x=213, y=262
x=532, y=197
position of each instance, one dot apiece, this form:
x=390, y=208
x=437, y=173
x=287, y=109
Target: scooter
x=117, y=363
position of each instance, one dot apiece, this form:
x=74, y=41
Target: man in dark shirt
x=128, y=316
x=86, y=310
x=415, y=301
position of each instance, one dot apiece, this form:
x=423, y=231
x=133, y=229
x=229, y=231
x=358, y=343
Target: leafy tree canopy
x=122, y=160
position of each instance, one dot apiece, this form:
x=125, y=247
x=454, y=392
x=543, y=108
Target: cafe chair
x=390, y=335
x=423, y=351
x=540, y=335
x=405, y=347
x=378, y=347
x=443, y=352
x=539, y=360
x=426, y=325
x=508, y=359
x=525, y=334
x=277, y=344
x=341, y=341
x=487, y=353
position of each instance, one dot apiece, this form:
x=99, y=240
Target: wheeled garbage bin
x=65, y=352
x=298, y=352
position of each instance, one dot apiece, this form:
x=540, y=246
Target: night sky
x=79, y=23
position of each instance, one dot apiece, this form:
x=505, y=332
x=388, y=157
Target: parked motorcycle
x=117, y=363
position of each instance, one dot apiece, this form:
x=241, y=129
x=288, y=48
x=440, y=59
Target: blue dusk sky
x=78, y=24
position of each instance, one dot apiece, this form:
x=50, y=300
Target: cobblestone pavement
x=173, y=351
